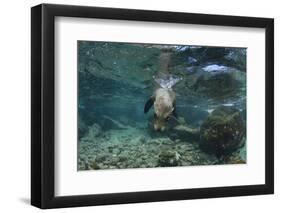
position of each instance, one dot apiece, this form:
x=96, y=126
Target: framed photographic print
x=139, y=106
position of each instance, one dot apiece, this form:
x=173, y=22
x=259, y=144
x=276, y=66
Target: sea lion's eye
x=167, y=118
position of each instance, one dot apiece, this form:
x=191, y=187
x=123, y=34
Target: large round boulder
x=222, y=131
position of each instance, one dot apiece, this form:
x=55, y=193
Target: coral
x=169, y=158
x=222, y=131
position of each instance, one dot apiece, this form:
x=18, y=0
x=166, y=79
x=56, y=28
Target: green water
x=116, y=80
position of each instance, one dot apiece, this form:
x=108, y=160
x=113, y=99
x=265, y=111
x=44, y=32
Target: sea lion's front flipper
x=149, y=104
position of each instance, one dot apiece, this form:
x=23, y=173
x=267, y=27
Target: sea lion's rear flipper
x=166, y=81
x=149, y=104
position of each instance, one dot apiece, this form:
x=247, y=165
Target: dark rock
x=222, y=132
x=93, y=132
x=82, y=128
x=168, y=158
x=236, y=57
x=217, y=84
x=101, y=158
x=122, y=158
x=94, y=165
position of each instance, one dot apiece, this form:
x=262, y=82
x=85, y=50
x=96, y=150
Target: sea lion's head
x=164, y=107
x=162, y=115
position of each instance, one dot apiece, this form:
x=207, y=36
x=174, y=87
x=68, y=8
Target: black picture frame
x=43, y=102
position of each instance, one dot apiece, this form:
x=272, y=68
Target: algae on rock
x=222, y=132
x=169, y=158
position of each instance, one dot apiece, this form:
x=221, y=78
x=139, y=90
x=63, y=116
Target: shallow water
x=116, y=80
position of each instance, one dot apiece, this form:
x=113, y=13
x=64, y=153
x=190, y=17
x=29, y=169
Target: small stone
x=168, y=158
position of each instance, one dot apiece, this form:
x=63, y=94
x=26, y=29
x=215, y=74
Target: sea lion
x=164, y=100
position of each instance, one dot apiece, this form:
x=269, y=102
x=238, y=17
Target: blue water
x=116, y=80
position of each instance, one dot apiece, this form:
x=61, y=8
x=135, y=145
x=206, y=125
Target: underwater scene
x=160, y=105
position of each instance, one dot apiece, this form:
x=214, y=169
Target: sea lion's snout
x=158, y=126
x=159, y=123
